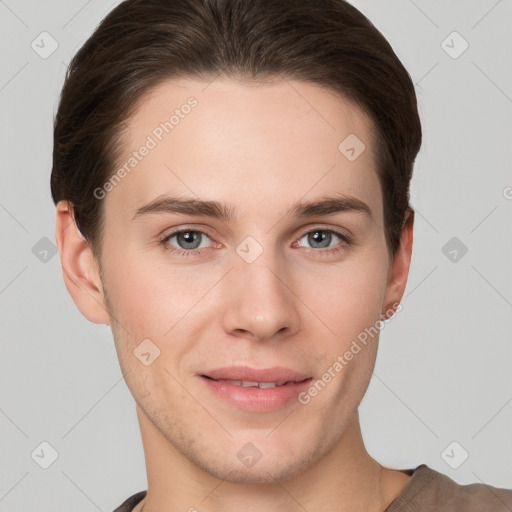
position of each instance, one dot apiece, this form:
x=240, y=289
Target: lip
x=274, y=374
x=253, y=398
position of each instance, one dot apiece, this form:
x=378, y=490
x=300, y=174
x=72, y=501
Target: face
x=246, y=248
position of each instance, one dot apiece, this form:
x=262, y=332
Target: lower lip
x=256, y=399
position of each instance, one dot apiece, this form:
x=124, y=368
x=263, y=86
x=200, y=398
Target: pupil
x=189, y=239
x=320, y=237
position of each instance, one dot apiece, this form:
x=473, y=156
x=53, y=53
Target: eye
x=186, y=241
x=191, y=242
x=323, y=238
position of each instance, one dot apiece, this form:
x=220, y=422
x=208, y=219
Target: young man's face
x=253, y=289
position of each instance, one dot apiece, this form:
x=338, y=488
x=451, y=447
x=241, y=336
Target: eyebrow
x=322, y=206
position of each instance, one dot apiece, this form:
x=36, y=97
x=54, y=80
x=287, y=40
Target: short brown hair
x=142, y=43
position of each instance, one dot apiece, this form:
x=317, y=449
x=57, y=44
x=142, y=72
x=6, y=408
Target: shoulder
x=429, y=490
x=131, y=502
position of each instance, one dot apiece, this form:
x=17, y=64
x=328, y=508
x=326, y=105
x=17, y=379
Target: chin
x=268, y=470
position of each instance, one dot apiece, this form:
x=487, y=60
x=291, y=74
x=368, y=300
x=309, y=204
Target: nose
x=261, y=303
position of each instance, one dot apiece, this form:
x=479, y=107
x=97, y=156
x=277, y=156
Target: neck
x=347, y=478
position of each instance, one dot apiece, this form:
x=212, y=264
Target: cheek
x=348, y=299
x=349, y=305
x=149, y=297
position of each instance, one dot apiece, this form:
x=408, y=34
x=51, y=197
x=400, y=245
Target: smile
x=256, y=390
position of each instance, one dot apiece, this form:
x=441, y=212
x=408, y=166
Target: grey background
x=443, y=370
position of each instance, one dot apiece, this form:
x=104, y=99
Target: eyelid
x=185, y=227
x=168, y=234
x=343, y=233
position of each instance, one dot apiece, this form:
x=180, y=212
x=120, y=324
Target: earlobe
x=399, y=267
x=79, y=267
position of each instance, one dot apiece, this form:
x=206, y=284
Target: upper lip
x=246, y=373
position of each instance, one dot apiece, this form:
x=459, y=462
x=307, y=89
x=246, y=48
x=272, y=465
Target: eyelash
x=345, y=241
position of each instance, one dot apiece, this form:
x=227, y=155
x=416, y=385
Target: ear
x=79, y=267
x=399, y=267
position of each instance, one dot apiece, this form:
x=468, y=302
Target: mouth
x=256, y=390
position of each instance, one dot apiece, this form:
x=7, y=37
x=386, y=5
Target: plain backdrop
x=442, y=385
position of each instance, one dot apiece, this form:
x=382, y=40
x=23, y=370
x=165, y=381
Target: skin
x=258, y=148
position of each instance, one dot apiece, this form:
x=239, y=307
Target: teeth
x=254, y=384
x=234, y=382
x=248, y=384
x=264, y=385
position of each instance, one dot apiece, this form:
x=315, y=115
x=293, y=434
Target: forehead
x=251, y=144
